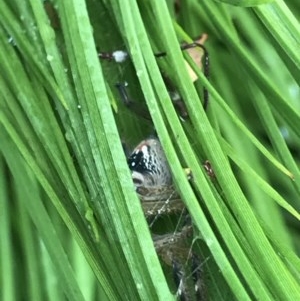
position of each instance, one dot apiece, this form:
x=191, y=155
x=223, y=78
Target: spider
x=153, y=183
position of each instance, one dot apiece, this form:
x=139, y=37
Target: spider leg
x=197, y=275
x=137, y=108
x=188, y=277
x=205, y=68
x=120, y=56
x=176, y=98
x=141, y=110
x=179, y=275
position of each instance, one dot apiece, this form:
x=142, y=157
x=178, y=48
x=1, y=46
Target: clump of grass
x=65, y=182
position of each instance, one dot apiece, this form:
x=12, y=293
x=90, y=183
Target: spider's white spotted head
x=149, y=165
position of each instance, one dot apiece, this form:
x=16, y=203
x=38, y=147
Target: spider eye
x=140, y=160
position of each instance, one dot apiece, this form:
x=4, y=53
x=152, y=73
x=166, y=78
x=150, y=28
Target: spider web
x=164, y=209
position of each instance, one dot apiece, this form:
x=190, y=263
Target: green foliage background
x=71, y=225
